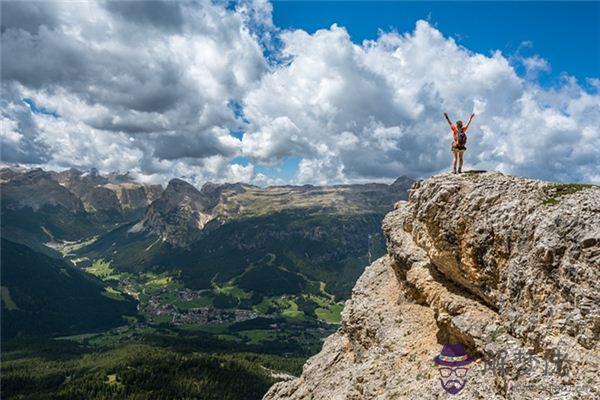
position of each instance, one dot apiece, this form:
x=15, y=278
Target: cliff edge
x=506, y=266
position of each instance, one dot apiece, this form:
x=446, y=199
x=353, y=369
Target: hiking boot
x=459, y=170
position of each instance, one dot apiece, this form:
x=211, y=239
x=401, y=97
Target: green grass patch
x=153, y=284
x=320, y=301
x=203, y=301
x=264, y=306
x=162, y=319
x=234, y=291
x=289, y=308
x=256, y=336
x=332, y=314
x=77, y=338
x=229, y=338
x=160, y=282
x=102, y=269
x=7, y=300
x=113, y=293
x=68, y=248
x=113, y=379
x=554, y=192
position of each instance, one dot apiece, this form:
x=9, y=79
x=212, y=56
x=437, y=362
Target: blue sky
x=566, y=34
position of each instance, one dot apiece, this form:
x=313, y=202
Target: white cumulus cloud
x=184, y=89
x=373, y=110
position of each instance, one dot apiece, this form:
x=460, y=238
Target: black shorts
x=458, y=148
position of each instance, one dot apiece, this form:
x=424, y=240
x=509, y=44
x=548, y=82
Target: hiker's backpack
x=461, y=137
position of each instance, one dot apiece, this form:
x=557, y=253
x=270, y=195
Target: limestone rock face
x=182, y=213
x=118, y=192
x=507, y=266
x=36, y=189
x=178, y=215
x=101, y=198
x=133, y=195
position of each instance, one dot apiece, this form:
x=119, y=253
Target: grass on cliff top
x=474, y=172
x=554, y=192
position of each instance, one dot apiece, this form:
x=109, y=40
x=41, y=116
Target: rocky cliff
x=506, y=266
x=181, y=213
x=35, y=189
x=117, y=192
x=178, y=215
x=114, y=192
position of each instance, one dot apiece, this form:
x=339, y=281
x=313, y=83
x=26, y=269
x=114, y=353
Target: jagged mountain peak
x=117, y=177
x=36, y=188
x=34, y=175
x=403, y=181
x=181, y=193
x=179, y=185
x=86, y=202
x=179, y=214
x=210, y=187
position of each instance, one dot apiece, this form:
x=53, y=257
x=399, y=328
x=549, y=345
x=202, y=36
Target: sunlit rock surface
x=507, y=266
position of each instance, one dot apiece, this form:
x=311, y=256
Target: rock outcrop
x=134, y=195
x=116, y=192
x=36, y=189
x=507, y=266
x=178, y=215
x=181, y=214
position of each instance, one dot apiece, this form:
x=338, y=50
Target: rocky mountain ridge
x=114, y=191
x=75, y=190
x=35, y=188
x=179, y=214
x=506, y=266
x=182, y=212
x=47, y=209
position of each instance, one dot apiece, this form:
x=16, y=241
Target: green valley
x=183, y=285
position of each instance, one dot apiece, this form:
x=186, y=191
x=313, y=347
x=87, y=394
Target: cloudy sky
x=300, y=92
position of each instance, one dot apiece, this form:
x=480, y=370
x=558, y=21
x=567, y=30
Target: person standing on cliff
x=459, y=136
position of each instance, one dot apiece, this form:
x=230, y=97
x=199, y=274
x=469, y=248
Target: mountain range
x=223, y=253
x=226, y=289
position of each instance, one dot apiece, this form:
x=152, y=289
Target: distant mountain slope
x=280, y=251
x=114, y=192
x=219, y=235
x=42, y=295
x=181, y=213
x=44, y=208
x=36, y=209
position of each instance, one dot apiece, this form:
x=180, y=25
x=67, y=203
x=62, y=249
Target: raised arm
x=448, y=119
x=470, y=119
